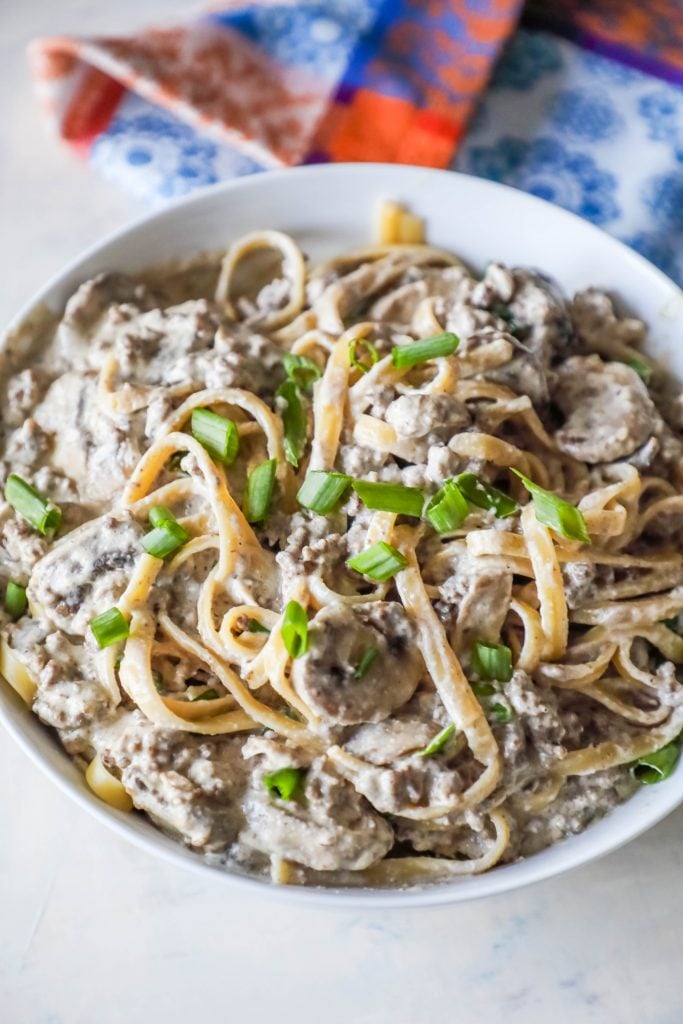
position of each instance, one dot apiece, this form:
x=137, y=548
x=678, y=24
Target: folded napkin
x=287, y=83
x=592, y=120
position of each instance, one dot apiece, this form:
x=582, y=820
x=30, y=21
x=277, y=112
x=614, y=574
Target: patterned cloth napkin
x=582, y=104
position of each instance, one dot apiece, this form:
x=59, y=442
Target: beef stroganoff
x=364, y=573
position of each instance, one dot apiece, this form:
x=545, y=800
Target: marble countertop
x=92, y=929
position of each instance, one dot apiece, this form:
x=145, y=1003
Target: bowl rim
x=463, y=889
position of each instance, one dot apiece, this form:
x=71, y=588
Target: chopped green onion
x=301, y=370
x=369, y=348
x=379, y=562
x=439, y=742
x=502, y=714
x=32, y=506
x=159, y=515
x=643, y=369
x=366, y=662
x=209, y=694
x=164, y=540
x=16, y=602
x=259, y=493
x=485, y=496
x=483, y=689
x=655, y=767
x=254, y=626
x=385, y=497
x=285, y=782
x=556, y=513
x=448, y=508
x=217, y=434
x=294, y=629
x=110, y=627
x=492, y=661
x=405, y=356
x=321, y=491
x=294, y=422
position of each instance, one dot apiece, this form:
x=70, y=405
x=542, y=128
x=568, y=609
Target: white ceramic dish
x=328, y=209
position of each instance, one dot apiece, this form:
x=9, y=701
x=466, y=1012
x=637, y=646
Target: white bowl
x=328, y=209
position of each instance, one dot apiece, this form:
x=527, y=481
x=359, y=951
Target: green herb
x=301, y=370
x=438, y=744
x=109, y=627
x=285, y=782
x=447, y=510
x=293, y=421
x=502, y=714
x=159, y=515
x=167, y=535
x=492, y=661
x=372, y=352
x=16, y=601
x=254, y=626
x=405, y=356
x=209, y=694
x=294, y=629
x=384, y=497
x=259, y=493
x=643, y=369
x=366, y=662
x=157, y=678
x=379, y=562
x=485, y=496
x=556, y=513
x=322, y=492
x=32, y=506
x=483, y=689
x=655, y=767
x=217, y=434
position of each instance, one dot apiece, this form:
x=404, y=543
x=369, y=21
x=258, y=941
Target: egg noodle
x=539, y=628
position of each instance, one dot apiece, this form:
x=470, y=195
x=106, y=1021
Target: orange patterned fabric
x=645, y=33
x=411, y=75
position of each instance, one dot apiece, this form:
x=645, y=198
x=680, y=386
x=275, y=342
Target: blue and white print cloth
x=597, y=137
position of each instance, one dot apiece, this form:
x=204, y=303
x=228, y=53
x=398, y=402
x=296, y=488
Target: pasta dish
x=364, y=573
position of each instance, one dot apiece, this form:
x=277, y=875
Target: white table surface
x=93, y=931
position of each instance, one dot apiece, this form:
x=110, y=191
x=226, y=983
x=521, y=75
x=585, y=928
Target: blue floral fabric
x=578, y=129
x=600, y=139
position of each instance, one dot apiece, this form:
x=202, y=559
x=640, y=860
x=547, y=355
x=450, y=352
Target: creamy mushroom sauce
x=569, y=357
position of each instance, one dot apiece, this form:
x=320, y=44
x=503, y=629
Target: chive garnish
x=110, y=627
x=16, y=601
x=217, y=434
x=31, y=505
x=387, y=497
x=321, y=492
x=379, y=562
x=555, y=512
x=366, y=662
x=301, y=370
x=438, y=744
x=294, y=629
x=259, y=492
x=405, y=356
x=285, y=782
